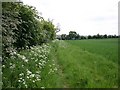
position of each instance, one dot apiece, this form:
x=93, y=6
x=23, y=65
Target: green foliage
x=63, y=36
x=28, y=29
x=72, y=35
x=9, y=25
x=33, y=68
x=22, y=27
x=89, y=37
x=48, y=30
x=85, y=65
x=23, y=69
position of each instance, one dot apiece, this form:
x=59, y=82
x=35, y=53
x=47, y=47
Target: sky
x=86, y=17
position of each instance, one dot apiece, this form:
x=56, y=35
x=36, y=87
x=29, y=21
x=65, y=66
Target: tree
x=72, y=35
x=82, y=37
x=67, y=37
x=78, y=37
x=63, y=36
x=49, y=30
x=89, y=37
x=109, y=36
x=114, y=36
x=98, y=36
x=95, y=36
x=105, y=36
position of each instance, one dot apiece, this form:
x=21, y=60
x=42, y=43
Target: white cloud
x=83, y=16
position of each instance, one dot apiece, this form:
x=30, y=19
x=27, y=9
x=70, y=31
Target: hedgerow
x=22, y=27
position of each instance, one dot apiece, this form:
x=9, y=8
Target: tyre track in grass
x=64, y=83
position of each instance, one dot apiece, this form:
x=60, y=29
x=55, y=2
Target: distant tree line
x=75, y=36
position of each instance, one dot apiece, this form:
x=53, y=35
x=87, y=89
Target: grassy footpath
x=88, y=67
x=51, y=74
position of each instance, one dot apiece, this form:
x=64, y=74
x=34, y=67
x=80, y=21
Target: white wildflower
x=19, y=80
x=23, y=82
x=55, y=69
x=10, y=63
x=23, y=57
x=37, y=72
x=36, y=60
x=14, y=52
x=26, y=60
x=27, y=77
x=21, y=74
x=12, y=66
x=27, y=47
x=33, y=81
x=32, y=51
x=32, y=75
x=32, y=58
x=43, y=87
x=40, y=63
x=29, y=72
x=38, y=79
x=3, y=66
x=26, y=85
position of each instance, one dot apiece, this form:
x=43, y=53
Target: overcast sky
x=86, y=17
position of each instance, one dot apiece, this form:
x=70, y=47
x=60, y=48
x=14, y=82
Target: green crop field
x=65, y=64
x=89, y=63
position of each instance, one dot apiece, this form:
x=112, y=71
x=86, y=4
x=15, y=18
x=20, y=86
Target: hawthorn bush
x=22, y=27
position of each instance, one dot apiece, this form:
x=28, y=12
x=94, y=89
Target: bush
x=22, y=27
